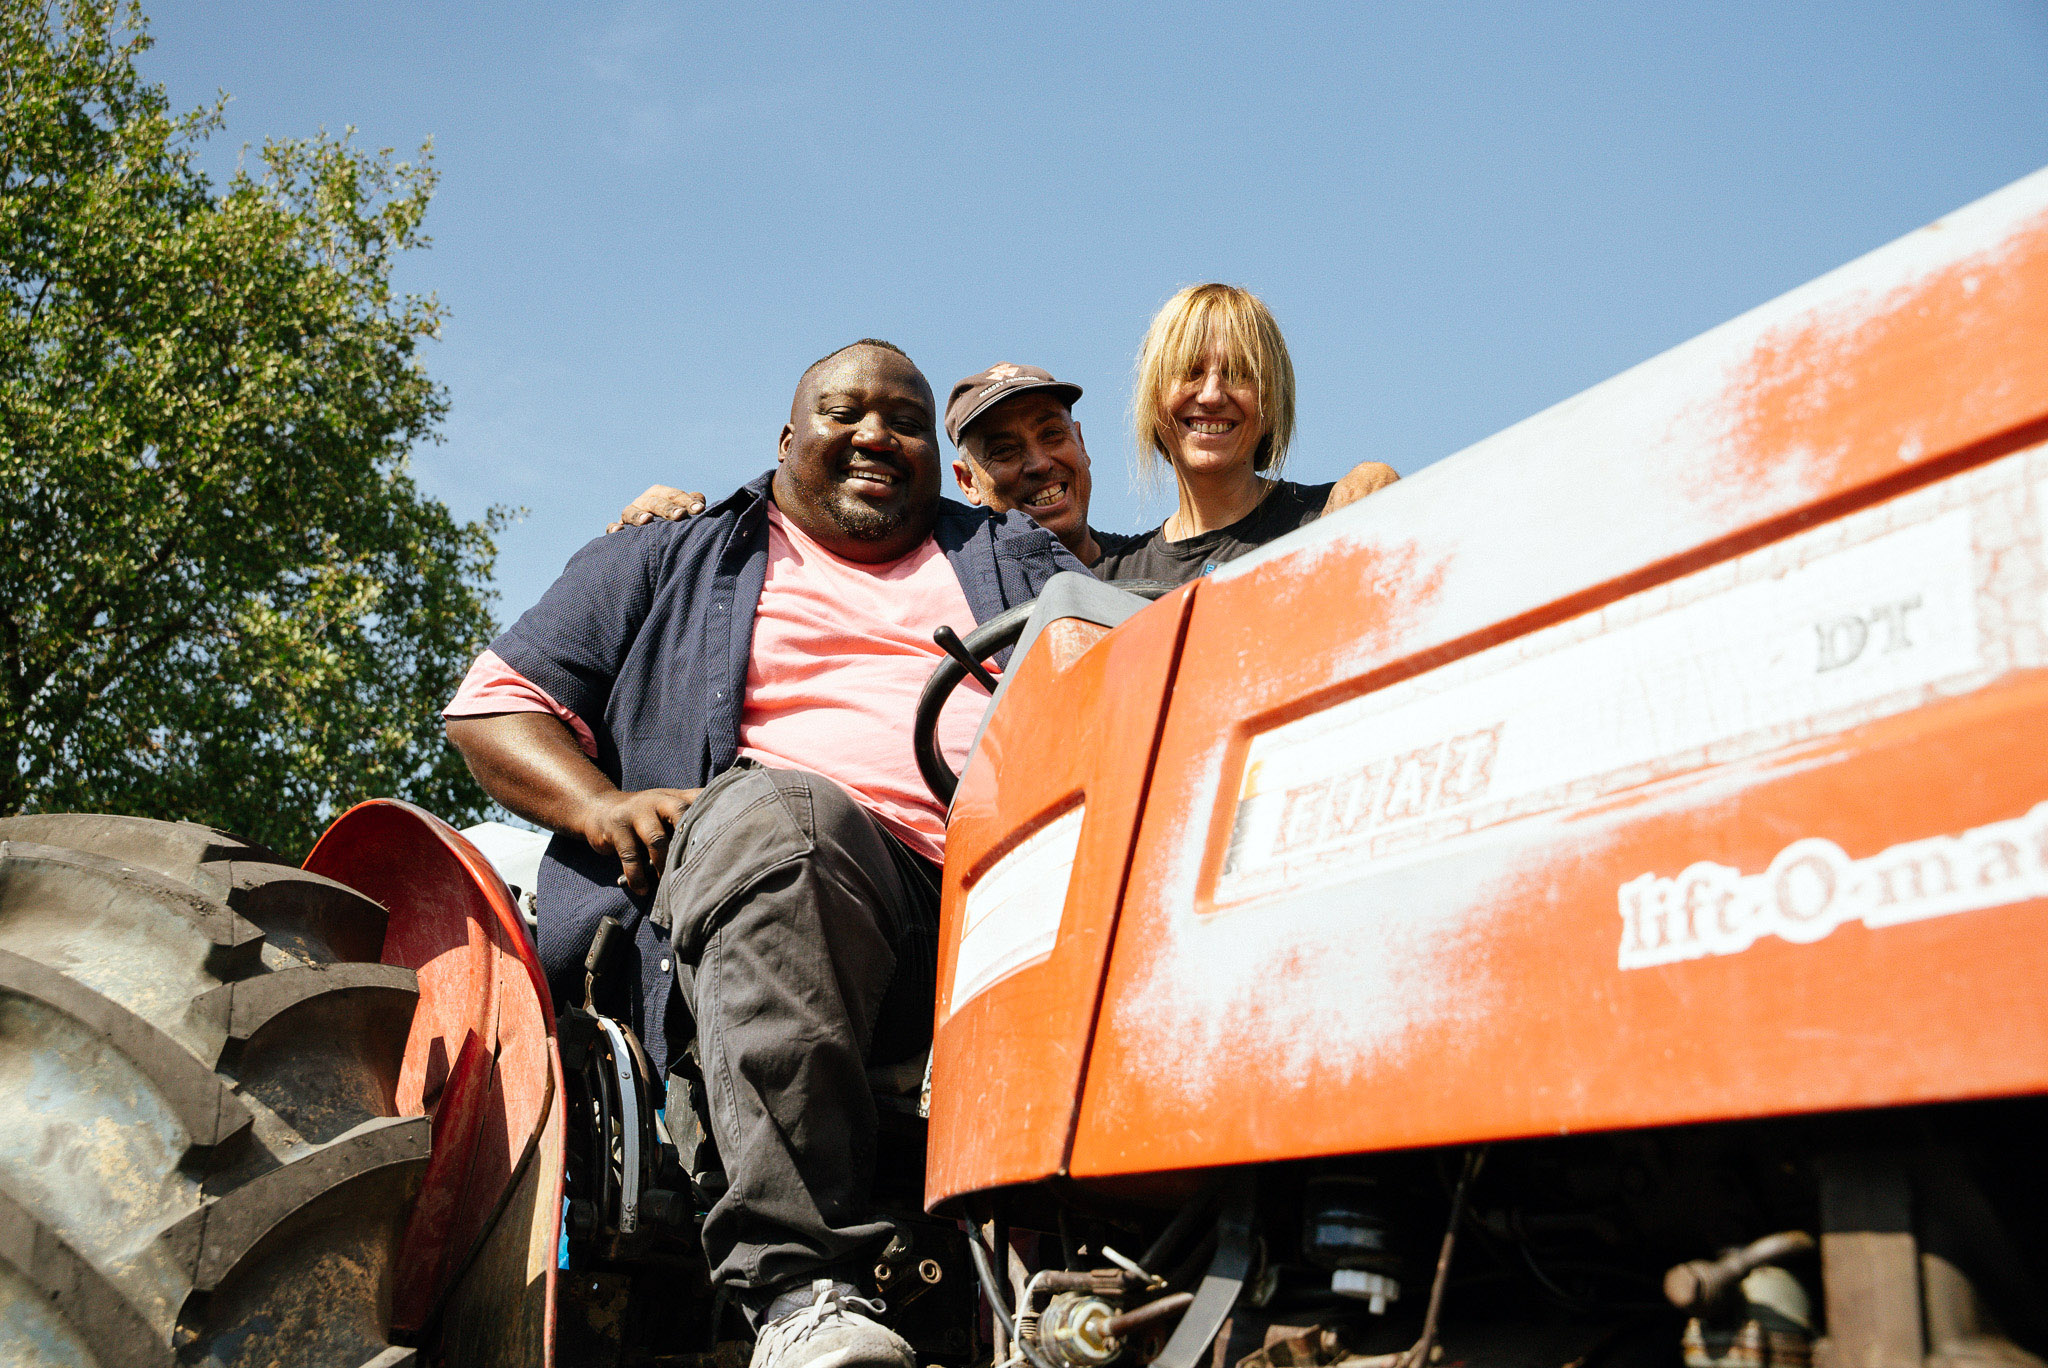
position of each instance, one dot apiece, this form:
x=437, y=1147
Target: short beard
x=863, y=522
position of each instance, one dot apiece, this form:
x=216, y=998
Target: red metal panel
x=1075, y=733
x=482, y=997
x=1418, y=757
x=430, y=1232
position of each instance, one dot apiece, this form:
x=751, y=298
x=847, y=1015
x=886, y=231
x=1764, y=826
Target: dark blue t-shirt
x=645, y=637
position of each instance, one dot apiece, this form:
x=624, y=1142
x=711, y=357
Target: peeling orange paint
x=1936, y=365
x=1460, y=975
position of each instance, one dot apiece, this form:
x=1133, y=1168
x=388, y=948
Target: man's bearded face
x=860, y=457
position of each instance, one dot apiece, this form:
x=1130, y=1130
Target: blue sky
x=652, y=217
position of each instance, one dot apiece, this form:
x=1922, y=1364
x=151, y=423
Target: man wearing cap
x=1019, y=447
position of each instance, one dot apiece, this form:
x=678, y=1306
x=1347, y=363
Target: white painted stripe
x=1852, y=620
x=1013, y=911
x=2041, y=524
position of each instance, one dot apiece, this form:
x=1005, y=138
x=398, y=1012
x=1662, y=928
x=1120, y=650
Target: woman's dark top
x=1153, y=557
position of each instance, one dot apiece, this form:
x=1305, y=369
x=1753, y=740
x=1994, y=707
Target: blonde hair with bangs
x=1243, y=329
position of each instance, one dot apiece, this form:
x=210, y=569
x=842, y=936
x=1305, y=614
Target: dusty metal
x=1870, y=1263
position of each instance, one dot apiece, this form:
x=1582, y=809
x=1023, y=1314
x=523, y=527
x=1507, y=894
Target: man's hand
x=660, y=501
x=531, y=763
x=635, y=827
x=1367, y=477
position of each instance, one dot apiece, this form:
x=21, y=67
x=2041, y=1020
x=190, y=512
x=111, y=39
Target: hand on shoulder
x=659, y=501
x=1367, y=477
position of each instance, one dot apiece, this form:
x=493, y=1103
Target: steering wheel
x=998, y=634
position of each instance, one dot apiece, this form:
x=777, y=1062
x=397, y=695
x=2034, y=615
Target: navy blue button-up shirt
x=646, y=637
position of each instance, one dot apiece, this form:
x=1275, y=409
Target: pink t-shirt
x=841, y=651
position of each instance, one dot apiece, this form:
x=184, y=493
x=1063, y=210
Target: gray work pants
x=805, y=938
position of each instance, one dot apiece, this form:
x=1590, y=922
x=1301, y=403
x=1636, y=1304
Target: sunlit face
x=1026, y=453
x=860, y=457
x=1212, y=414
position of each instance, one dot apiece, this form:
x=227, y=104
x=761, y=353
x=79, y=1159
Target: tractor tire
x=200, y=1160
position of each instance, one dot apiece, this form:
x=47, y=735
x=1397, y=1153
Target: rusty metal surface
x=428, y=1245
x=502, y=1313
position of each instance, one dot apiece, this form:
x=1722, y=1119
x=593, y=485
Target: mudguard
x=481, y=1249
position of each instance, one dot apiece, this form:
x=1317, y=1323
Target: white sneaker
x=827, y=1330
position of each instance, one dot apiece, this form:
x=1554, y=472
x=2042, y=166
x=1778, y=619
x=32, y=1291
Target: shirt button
x=664, y=966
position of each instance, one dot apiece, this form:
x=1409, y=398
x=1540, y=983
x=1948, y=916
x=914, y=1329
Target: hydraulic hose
x=984, y=1269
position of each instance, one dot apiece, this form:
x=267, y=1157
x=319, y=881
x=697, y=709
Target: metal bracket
x=1223, y=1282
x=1870, y=1263
x=630, y=1127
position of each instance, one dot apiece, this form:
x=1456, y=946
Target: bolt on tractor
x=1585, y=906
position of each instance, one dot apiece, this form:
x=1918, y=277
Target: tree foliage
x=222, y=597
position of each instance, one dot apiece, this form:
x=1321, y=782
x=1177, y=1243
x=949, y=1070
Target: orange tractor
x=1585, y=905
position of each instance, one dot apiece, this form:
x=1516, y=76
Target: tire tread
x=286, y=1165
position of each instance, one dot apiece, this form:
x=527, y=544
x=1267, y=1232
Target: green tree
x=222, y=597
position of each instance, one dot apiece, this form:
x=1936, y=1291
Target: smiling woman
x=1215, y=391
x=1214, y=402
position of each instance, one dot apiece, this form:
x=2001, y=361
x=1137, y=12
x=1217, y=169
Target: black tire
x=200, y=1160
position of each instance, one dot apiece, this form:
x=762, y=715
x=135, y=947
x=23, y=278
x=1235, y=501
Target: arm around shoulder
x=659, y=501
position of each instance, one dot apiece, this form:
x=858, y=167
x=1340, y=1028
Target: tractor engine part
x=1746, y=1312
x=1701, y=1287
x=1374, y=1289
x=902, y=1277
x=1074, y=1332
x=203, y=1155
x=1346, y=1224
x=1348, y=1229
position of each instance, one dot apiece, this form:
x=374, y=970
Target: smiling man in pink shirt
x=729, y=699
